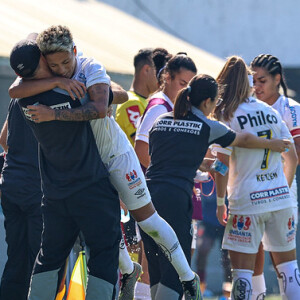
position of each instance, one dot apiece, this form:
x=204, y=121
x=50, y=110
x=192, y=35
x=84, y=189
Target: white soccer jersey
x=289, y=110
x=110, y=138
x=256, y=180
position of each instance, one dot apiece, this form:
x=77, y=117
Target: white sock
x=289, y=272
x=241, y=284
x=258, y=287
x=281, y=289
x=163, y=234
x=125, y=262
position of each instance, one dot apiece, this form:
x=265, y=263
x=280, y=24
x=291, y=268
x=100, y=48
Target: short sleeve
x=95, y=73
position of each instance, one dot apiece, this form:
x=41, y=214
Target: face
x=151, y=79
x=265, y=85
x=62, y=63
x=180, y=81
x=42, y=70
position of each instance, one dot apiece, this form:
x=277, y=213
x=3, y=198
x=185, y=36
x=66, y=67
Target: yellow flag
x=77, y=284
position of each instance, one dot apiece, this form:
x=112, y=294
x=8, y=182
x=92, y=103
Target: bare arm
x=290, y=164
x=27, y=88
x=3, y=137
x=142, y=151
x=120, y=95
x=221, y=182
x=248, y=140
x=297, y=146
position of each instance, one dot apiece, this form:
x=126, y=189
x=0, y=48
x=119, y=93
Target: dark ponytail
x=200, y=88
x=273, y=66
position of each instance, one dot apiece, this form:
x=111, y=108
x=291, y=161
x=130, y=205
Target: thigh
x=280, y=232
x=243, y=233
x=96, y=211
x=128, y=178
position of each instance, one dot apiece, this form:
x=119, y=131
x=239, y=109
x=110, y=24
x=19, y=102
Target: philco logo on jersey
x=258, y=120
x=292, y=232
x=65, y=105
x=133, y=179
x=294, y=115
x=133, y=113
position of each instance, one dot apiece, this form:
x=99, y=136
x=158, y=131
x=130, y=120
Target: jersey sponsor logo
x=133, y=179
x=240, y=233
x=133, y=113
x=140, y=193
x=65, y=105
x=256, y=120
x=293, y=115
x=241, y=222
x=191, y=127
x=241, y=289
x=263, y=197
x=292, y=230
x=264, y=177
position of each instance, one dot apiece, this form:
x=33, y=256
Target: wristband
x=220, y=201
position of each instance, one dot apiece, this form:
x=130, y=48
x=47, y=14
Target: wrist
x=220, y=201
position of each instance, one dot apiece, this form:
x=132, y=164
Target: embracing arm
x=297, y=146
x=120, y=95
x=27, y=88
x=142, y=151
x=290, y=164
x=248, y=140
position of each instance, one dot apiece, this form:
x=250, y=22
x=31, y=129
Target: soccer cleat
x=191, y=289
x=128, y=282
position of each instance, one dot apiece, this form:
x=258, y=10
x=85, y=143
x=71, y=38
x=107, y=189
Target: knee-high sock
x=258, y=287
x=241, y=284
x=125, y=262
x=289, y=272
x=163, y=234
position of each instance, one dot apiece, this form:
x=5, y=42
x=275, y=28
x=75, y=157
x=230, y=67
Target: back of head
x=235, y=87
x=160, y=57
x=25, y=57
x=143, y=57
x=55, y=39
x=272, y=65
x=200, y=88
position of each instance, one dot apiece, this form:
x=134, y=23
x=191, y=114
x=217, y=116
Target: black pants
x=23, y=226
x=95, y=211
x=175, y=206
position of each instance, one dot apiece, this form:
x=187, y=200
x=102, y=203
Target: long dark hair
x=273, y=66
x=200, y=88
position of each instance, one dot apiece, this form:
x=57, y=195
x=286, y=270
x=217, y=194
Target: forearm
x=290, y=165
x=33, y=87
x=142, y=149
x=221, y=181
x=120, y=95
x=3, y=137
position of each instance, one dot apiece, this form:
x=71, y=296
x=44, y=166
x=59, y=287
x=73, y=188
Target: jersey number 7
x=266, y=134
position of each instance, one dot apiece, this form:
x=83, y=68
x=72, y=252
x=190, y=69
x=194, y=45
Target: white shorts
x=277, y=231
x=195, y=229
x=128, y=178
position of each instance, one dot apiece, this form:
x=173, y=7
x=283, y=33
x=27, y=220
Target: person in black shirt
x=178, y=143
x=77, y=194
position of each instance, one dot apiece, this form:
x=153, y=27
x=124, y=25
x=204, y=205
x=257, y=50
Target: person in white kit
x=260, y=204
x=56, y=44
x=268, y=79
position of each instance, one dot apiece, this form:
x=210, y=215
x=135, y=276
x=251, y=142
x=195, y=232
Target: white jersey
x=142, y=132
x=289, y=110
x=256, y=180
x=110, y=138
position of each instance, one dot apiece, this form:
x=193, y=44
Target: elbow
x=102, y=111
x=12, y=93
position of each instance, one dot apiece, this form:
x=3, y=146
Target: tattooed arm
x=95, y=108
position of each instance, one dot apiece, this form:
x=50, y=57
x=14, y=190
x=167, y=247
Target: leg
x=98, y=217
x=13, y=286
x=58, y=237
x=258, y=280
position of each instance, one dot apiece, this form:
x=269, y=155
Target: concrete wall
x=223, y=28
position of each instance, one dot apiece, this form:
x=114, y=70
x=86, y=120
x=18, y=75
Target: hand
x=206, y=164
x=124, y=207
x=41, y=113
x=109, y=111
x=72, y=86
x=222, y=214
x=280, y=145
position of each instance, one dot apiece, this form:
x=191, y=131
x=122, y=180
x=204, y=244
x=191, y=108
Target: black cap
x=25, y=57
